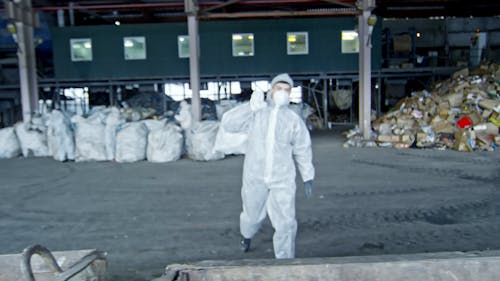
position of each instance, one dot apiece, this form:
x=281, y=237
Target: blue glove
x=308, y=187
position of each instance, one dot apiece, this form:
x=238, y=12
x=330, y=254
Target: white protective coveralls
x=276, y=136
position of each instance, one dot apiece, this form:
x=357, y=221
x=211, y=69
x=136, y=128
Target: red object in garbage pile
x=464, y=123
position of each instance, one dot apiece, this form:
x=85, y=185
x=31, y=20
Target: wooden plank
x=484, y=266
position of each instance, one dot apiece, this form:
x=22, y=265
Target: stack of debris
x=461, y=113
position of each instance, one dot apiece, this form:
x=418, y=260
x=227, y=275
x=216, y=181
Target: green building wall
x=215, y=49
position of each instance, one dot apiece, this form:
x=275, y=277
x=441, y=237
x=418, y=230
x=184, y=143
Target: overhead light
x=129, y=43
x=237, y=37
x=419, y=35
x=117, y=23
x=181, y=39
x=372, y=20
x=250, y=37
x=11, y=28
x=87, y=45
x=292, y=38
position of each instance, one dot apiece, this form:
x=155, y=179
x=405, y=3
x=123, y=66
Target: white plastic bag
x=89, y=139
x=230, y=143
x=60, y=137
x=165, y=144
x=202, y=140
x=131, y=142
x=113, y=120
x=224, y=106
x=342, y=98
x=9, y=145
x=184, y=117
x=98, y=114
x=38, y=123
x=32, y=142
x=154, y=125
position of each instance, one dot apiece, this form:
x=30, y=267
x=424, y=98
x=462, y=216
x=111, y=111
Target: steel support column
x=364, y=68
x=25, y=20
x=191, y=8
x=325, y=103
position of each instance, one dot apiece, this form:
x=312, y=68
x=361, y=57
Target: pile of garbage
x=460, y=113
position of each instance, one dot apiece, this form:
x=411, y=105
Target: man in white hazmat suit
x=276, y=137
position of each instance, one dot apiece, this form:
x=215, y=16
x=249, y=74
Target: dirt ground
x=367, y=201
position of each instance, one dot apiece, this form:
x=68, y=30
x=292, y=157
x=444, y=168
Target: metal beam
x=19, y=12
x=366, y=5
x=71, y=12
x=330, y=12
x=179, y=4
x=222, y=5
x=191, y=7
x=340, y=3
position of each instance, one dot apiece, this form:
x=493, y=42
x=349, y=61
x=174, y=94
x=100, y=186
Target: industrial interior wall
x=216, y=59
x=457, y=31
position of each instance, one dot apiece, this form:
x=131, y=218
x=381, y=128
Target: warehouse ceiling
x=111, y=11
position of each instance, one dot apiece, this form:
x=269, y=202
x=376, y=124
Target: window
x=297, y=43
x=243, y=44
x=134, y=48
x=81, y=49
x=183, y=46
x=350, y=42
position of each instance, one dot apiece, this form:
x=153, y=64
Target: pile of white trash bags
x=105, y=135
x=9, y=144
x=109, y=134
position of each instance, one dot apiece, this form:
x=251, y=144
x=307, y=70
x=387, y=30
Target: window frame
x=288, y=43
x=342, y=42
x=82, y=41
x=125, y=47
x=179, y=46
x=243, y=35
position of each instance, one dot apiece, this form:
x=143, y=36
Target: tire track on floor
x=396, y=191
x=446, y=158
x=448, y=214
x=467, y=236
x=434, y=171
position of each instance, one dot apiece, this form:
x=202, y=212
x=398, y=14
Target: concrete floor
x=366, y=202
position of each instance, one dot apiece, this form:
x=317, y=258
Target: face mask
x=280, y=98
